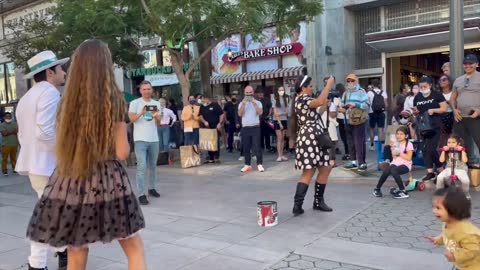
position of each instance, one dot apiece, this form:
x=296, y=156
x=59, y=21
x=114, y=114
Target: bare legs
x=77, y=258
x=280, y=142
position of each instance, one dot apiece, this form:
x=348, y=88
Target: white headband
x=303, y=81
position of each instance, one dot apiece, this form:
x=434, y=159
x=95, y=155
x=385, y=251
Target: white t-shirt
x=408, y=105
x=143, y=130
x=447, y=98
x=371, y=95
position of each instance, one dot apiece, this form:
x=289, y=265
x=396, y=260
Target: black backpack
x=378, y=103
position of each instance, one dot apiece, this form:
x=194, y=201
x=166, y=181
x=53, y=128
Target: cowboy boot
x=319, y=202
x=298, y=199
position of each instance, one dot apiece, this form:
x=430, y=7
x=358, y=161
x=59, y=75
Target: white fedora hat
x=43, y=61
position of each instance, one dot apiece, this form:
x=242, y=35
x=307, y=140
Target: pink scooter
x=450, y=152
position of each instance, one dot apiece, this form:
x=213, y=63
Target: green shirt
x=10, y=140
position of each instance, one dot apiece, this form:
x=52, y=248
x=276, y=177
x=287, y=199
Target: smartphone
x=248, y=98
x=151, y=108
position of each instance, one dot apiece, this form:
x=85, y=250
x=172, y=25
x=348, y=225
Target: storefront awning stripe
x=257, y=75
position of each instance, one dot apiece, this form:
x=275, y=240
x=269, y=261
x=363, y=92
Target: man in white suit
x=36, y=116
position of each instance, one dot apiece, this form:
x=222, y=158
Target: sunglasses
x=467, y=82
x=443, y=79
x=350, y=81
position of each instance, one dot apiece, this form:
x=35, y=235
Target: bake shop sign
x=294, y=48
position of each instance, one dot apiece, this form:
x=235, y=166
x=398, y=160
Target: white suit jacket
x=36, y=117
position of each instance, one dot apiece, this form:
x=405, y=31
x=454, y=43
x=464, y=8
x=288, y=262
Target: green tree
x=208, y=22
x=117, y=22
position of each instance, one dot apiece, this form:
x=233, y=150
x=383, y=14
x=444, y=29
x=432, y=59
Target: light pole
x=456, y=38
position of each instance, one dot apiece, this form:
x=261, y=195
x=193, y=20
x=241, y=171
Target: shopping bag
x=474, y=177
x=189, y=156
x=208, y=139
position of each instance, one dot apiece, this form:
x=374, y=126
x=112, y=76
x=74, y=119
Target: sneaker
x=143, y=200
x=467, y=194
x=15, y=172
x=279, y=159
x=5, y=174
x=400, y=195
x=62, y=260
x=33, y=268
x=217, y=161
x=377, y=192
x=246, y=168
x=346, y=157
x=284, y=158
x=362, y=168
x=394, y=190
x=208, y=161
x=241, y=158
x=429, y=176
x=170, y=163
x=371, y=148
x=351, y=166
x=260, y=168
x=254, y=157
x=153, y=193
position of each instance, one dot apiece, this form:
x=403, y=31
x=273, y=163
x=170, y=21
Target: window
x=8, y=86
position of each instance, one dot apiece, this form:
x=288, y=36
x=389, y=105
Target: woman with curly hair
x=89, y=197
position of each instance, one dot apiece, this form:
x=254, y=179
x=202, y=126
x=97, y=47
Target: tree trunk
x=205, y=67
x=184, y=81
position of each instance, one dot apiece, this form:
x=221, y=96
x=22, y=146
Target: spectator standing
x=408, y=105
x=355, y=97
x=167, y=119
x=9, y=130
x=433, y=103
x=447, y=118
x=341, y=120
x=36, y=118
x=264, y=118
x=250, y=110
x=191, y=122
x=172, y=105
x=212, y=117
x=399, y=102
x=230, y=110
x=378, y=100
x=446, y=69
x=465, y=101
x=281, y=106
x=144, y=113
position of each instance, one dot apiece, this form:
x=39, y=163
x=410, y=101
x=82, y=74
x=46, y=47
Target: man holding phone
x=144, y=113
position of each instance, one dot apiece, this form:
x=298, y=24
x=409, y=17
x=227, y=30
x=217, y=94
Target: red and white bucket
x=267, y=215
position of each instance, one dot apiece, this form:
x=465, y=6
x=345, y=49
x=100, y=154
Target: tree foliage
x=117, y=22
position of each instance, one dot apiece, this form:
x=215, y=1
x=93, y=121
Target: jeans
x=231, y=128
x=469, y=130
x=9, y=150
x=164, y=138
x=430, y=151
x=192, y=138
x=356, y=137
x=395, y=171
x=251, y=142
x=265, y=135
x=147, y=155
x=343, y=135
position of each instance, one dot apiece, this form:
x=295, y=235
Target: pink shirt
x=399, y=161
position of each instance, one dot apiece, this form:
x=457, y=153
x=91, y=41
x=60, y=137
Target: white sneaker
x=284, y=158
x=246, y=168
x=371, y=148
x=279, y=159
x=260, y=168
x=254, y=157
x=241, y=158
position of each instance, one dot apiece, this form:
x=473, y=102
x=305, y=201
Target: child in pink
x=402, y=152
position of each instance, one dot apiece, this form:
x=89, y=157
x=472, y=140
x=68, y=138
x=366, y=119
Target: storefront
x=265, y=64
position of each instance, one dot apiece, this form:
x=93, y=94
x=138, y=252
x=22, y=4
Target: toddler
x=459, y=236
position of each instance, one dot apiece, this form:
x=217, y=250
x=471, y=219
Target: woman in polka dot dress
x=309, y=155
x=89, y=197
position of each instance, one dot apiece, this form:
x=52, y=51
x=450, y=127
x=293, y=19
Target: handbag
x=189, y=156
x=425, y=126
x=323, y=139
x=357, y=116
x=208, y=139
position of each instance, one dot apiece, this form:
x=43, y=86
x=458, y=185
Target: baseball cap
x=352, y=77
x=470, y=59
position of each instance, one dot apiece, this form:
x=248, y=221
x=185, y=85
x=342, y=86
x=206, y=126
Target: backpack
x=378, y=102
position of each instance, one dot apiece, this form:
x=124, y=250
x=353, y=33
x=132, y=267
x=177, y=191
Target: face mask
x=351, y=87
x=281, y=93
x=192, y=101
x=403, y=121
x=8, y=120
x=425, y=92
x=415, y=90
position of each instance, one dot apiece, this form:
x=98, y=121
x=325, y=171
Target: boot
x=319, y=203
x=298, y=199
x=62, y=260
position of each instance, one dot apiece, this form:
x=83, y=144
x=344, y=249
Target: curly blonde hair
x=91, y=106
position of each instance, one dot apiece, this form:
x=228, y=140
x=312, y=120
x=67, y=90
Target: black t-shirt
x=211, y=114
x=433, y=101
x=266, y=106
x=231, y=111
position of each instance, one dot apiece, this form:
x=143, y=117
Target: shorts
x=376, y=119
x=277, y=125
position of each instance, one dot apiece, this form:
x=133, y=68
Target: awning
x=258, y=75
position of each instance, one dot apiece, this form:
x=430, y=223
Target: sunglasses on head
x=350, y=81
x=467, y=82
x=444, y=79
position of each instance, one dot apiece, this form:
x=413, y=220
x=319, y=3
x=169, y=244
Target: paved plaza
x=206, y=219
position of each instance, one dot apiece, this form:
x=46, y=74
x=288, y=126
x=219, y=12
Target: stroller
x=450, y=152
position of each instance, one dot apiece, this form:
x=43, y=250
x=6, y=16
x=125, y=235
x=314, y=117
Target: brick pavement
x=302, y=262
x=398, y=223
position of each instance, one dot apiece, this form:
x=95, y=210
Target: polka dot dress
x=76, y=213
x=308, y=153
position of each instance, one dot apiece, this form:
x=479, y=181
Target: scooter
x=450, y=152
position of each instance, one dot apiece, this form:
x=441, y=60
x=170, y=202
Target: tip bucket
x=267, y=215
